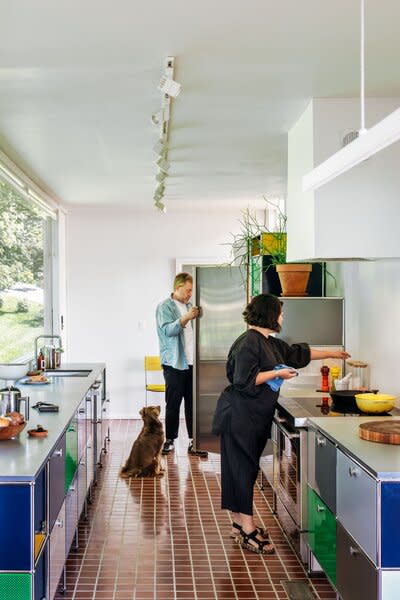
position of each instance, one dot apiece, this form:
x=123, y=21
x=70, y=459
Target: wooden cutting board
x=383, y=432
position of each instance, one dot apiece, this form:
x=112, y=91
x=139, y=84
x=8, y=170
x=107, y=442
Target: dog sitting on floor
x=145, y=457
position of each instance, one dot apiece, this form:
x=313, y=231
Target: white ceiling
x=78, y=84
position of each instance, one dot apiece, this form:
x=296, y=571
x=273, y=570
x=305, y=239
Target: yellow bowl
x=375, y=403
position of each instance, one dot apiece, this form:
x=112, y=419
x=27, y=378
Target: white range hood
x=356, y=216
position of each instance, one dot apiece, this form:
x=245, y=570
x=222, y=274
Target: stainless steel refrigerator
x=220, y=292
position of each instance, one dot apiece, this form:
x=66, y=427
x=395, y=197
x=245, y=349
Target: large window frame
x=22, y=185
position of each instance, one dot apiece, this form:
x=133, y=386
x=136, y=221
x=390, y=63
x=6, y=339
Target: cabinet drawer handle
x=320, y=508
x=353, y=551
x=72, y=488
x=82, y=462
x=321, y=441
x=353, y=471
x=82, y=410
x=58, y=452
x=59, y=523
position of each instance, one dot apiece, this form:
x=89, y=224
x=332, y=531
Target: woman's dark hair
x=264, y=311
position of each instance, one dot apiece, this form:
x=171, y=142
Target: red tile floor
x=167, y=538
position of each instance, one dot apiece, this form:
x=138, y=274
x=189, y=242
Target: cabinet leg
x=261, y=480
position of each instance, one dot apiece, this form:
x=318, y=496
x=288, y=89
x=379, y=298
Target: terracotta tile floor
x=167, y=538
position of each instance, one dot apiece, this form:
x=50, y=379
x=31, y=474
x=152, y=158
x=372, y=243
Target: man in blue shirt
x=175, y=333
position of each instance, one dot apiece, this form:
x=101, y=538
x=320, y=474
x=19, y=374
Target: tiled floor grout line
x=202, y=530
x=188, y=539
x=122, y=543
x=138, y=530
x=101, y=490
x=222, y=541
x=171, y=530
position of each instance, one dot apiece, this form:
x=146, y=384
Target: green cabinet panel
x=71, y=453
x=322, y=534
x=17, y=586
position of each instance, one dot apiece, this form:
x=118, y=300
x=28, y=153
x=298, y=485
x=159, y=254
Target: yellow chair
x=151, y=364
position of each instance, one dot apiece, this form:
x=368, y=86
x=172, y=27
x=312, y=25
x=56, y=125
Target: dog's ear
x=158, y=409
x=142, y=411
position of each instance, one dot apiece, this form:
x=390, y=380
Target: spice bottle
x=40, y=360
x=325, y=378
x=335, y=371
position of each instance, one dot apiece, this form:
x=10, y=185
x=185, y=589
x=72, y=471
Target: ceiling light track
x=162, y=119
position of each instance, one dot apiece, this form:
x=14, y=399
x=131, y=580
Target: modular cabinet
x=357, y=577
x=56, y=480
x=322, y=534
x=322, y=467
x=57, y=552
x=71, y=516
x=357, y=504
x=71, y=455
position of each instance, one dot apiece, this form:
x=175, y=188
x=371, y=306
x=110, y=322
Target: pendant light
x=369, y=142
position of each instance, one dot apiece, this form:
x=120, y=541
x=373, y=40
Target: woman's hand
x=339, y=354
x=286, y=373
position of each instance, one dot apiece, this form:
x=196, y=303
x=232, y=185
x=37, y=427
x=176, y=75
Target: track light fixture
x=170, y=89
x=161, y=176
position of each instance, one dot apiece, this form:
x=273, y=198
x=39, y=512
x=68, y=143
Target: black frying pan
x=345, y=399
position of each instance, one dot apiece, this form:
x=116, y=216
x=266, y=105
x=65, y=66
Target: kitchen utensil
x=375, y=403
x=7, y=433
x=345, y=400
x=359, y=374
x=382, y=432
x=10, y=401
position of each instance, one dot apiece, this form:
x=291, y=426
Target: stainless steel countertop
x=22, y=458
x=381, y=460
x=294, y=408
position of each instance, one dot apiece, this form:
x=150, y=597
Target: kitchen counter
x=381, y=460
x=294, y=408
x=22, y=458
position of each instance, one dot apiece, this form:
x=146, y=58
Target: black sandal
x=260, y=531
x=259, y=548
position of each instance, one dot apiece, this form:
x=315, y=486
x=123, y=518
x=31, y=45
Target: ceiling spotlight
x=163, y=164
x=157, y=117
x=160, y=189
x=161, y=176
x=161, y=207
x=169, y=86
x=160, y=148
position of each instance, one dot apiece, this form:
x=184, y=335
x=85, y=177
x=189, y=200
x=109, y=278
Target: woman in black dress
x=245, y=410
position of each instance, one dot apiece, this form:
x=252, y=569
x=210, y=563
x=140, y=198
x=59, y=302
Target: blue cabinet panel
x=16, y=539
x=390, y=524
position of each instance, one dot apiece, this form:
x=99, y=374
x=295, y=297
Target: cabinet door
x=57, y=552
x=71, y=453
x=81, y=427
x=322, y=534
x=357, y=578
x=356, y=504
x=390, y=525
x=81, y=480
x=56, y=481
x=16, y=542
x=71, y=514
x=322, y=467
x=17, y=586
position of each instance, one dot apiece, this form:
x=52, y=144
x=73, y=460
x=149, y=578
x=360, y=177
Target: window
x=25, y=274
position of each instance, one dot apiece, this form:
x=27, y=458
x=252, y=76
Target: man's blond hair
x=181, y=279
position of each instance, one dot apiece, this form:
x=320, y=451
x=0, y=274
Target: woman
x=245, y=410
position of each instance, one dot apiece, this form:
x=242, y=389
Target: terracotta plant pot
x=294, y=278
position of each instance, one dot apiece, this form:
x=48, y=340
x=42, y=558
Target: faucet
x=51, y=337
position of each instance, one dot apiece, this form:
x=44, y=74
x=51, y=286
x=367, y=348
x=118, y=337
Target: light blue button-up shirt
x=170, y=335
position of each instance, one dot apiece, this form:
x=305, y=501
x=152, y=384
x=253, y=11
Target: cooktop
x=297, y=411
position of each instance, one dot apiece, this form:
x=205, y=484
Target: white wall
x=119, y=266
x=372, y=295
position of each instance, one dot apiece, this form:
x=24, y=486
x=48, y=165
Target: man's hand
x=193, y=313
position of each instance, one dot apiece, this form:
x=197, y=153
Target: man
x=175, y=317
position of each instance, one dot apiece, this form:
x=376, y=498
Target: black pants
x=179, y=384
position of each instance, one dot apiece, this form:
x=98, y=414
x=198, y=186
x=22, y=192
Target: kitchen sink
x=61, y=373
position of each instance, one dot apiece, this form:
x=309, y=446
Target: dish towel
x=276, y=383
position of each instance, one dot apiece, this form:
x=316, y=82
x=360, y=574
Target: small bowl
x=37, y=434
x=7, y=433
x=375, y=403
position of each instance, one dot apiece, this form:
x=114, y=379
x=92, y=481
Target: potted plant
x=255, y=241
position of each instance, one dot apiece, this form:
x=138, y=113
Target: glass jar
x=359, y=375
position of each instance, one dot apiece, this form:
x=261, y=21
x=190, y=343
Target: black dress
x=244, y=413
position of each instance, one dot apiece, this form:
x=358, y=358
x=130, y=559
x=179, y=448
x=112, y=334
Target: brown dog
x=145, y=457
